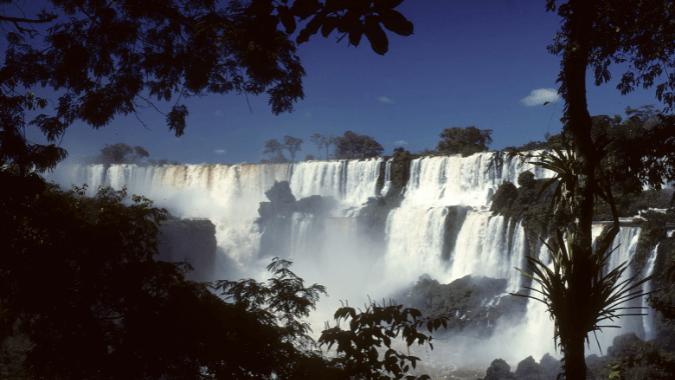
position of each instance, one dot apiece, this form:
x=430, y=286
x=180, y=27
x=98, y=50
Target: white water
x=482, y=249
x=624, y=246
x=229, y=195
x=349, y=181
x=387, y=178
x=648, y=319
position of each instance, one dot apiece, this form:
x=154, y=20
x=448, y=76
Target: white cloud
x=219, y=151
x=541, y=96
x=400, y=142
x=384, y=99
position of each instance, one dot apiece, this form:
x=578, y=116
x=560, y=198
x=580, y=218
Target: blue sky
x=467, y=63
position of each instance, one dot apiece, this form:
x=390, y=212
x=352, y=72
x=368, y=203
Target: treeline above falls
x=462, y=223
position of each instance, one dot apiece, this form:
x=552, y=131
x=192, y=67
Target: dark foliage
x=292, y=145
x=376, y=327
x=83, y=276
x=109, y=59
x=353, y=145
x=319, y=141
x=275, y=150
x=464, y=141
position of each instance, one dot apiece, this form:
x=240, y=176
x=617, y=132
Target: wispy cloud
x=400, y=142
x=384, y=99
x=219, y=151
x=541, y=96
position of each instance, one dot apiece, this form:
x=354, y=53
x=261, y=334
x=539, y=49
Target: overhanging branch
x=49, y=18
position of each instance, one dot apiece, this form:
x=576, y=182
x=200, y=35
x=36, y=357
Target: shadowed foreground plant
x=369, y=330
x=606, y=294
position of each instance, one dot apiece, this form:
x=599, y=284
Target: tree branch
x=50, y=18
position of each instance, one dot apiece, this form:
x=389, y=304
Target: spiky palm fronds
x=564, y=165
x=607, y=292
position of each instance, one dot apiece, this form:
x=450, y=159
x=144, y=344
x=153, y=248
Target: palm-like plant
x=607, y=292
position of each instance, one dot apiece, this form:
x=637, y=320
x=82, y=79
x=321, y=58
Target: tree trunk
x=578, y=127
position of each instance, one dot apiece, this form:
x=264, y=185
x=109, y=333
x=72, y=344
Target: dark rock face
x=193, y=241
x=453, y=224
x=466, y=302
x=276, y=218
x=550, y=367
x=498, y=370
x=632, y=358
x=528, y=369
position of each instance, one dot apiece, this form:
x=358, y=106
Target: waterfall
x=648, y=319
x=387, y=177
x=229, y=195
x=415, y=243
x=349, y=181
x=624, y=246
x=331, y=251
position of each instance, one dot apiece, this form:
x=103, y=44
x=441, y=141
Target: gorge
x=385, y=227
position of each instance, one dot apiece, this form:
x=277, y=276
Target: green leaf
x=287, y=19
x=378, y=39
x=305, y=8
x=329, y=24
x=355, y=36
x=311, y=28
x=397, y=23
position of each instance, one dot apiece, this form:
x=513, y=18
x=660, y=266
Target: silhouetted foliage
x=110, y=59
x=465, y=141
x=319, y=141
x=122, y=153
x=82, y=288
x=353, y=145
x=292, y=145
x=376, y=327
x=275, y=150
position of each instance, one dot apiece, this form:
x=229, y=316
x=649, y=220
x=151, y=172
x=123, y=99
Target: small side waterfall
x=648, y=319
x=483, y=249
x=387, y=177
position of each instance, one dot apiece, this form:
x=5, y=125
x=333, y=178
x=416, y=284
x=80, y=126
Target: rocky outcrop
x=189, y=240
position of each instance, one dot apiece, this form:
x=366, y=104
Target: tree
x=274, y=148
x=378, y=325
x=353, y=145
x=122, y=153
x=595, y=34
x=466, y=141
x=82, y=275
x=104, y=59
x=292, y=145
x=319, y=141
x=330, y=140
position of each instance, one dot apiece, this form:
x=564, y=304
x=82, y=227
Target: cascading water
x=387, y=177
x=624, y=246
x=648, y=319
x=483, y=249
x=331, y=252
x=349, y=181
